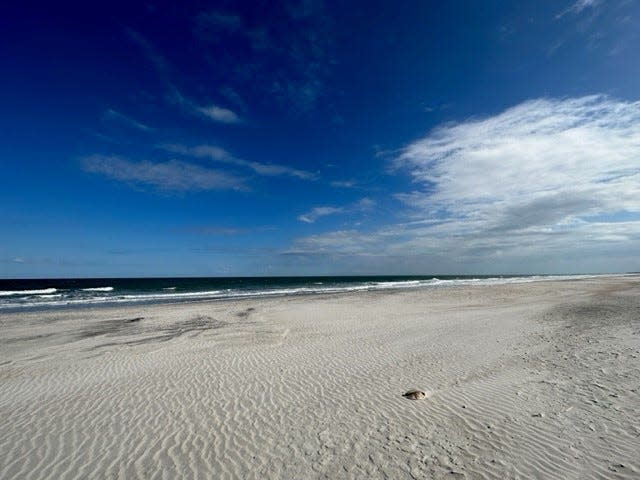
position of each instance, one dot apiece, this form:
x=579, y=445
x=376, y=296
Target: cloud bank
x=537, y=164
x=545, y=182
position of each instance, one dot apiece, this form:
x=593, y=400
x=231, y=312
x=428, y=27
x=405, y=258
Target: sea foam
x=28, y=292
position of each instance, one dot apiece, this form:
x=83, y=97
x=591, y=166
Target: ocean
x=22, y=294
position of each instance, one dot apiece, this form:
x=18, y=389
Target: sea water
x=61, y=292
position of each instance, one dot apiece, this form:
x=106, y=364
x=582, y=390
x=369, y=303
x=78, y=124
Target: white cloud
x=216, y=230
x=292, y=63
x=208, y=23
x=364, y=204
x=343, y=183
x=546, y=185
x=317, y=212
x=336, y=242
x=578, y=6
x=211, y=112
x=219, y=114
x=149, y=50
x=111, y=114
x=170, y=175
x=217, y=154
x=578, y=154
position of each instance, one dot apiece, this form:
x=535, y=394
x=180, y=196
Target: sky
x=319, y=138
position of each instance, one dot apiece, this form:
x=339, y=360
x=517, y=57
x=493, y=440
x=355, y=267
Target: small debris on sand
x=415, y=395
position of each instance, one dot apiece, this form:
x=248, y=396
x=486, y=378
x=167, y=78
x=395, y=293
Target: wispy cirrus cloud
x=209, y=23
x=218, y=154
x=603, y=27
x=220, y=230
x=210, y=111
x=114, y=115
x=171, y=175
x=149, y=50
x=340, y=242
x=312, y=215
x=578, y=6
x=219, y=114
x=216, y=230
x=550, y=184
x=343, y=183
x=292, y=61
x=317, y=212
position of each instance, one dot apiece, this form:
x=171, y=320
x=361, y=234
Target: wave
x=7, y=293
x=45, y=297
x=156, y=296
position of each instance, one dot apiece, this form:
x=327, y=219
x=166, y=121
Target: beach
x=523, y=380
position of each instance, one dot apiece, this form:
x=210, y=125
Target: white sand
x=538, y=380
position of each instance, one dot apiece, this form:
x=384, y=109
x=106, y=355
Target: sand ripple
x=532, y=381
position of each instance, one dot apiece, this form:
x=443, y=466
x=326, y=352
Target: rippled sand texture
x=525, y=381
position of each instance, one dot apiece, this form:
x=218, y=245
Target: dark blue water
x=56, y=292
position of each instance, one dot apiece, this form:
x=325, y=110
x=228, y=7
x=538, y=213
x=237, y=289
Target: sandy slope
x=536, y=380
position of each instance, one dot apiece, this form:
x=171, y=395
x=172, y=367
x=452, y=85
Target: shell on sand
x=415, y=395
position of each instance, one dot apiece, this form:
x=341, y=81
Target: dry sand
x=537, y=380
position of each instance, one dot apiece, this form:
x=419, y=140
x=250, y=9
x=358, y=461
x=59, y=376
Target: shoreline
x=534, y=379
x=258, y=295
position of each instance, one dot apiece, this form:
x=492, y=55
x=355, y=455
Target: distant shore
x=523, y=380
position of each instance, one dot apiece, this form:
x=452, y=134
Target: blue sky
x=303, y=137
